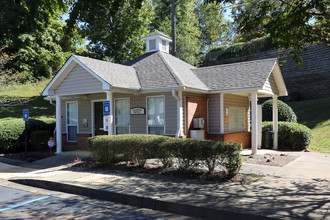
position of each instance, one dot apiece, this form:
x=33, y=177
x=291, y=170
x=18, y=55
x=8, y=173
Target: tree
x=291, y=24
x=5, y=73
x=113, y=28
x=194, y=29
x=33, y=28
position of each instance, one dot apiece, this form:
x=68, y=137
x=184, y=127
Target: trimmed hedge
x=190, y=153
x=291, y=135
x=285, y=112
x=39, y=140
x=12, y=132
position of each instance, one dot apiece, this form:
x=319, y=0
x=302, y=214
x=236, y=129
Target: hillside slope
x=315, y=114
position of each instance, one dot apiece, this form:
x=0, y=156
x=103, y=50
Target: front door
x=98, y=119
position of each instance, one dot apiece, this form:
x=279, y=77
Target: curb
x=139, y=201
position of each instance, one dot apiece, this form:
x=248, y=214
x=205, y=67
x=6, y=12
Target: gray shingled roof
x=244, y=75
x=116, y=75
x=162, y=70
x=157, y=33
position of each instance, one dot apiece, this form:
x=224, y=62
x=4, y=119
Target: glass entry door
x=98, y=119
x=122, y=116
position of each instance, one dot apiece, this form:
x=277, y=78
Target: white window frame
x=66, y=120
x=92, y=114
x=155, y=96
x=244, y=120
x=129, y=114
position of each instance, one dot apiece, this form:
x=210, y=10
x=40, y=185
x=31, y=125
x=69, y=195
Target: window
x=156, y=115
x=152, y=44
x=72, y=121
x=236, y=119
x=122, y=116
x=163, y=45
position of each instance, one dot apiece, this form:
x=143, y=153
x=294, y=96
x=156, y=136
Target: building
x=158, y=93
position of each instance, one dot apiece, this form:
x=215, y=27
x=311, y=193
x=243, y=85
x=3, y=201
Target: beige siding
x=270, y=85
x=170, y=114
x=237, y=102
x=214, y=113
x=79, y=81
x=139, y=122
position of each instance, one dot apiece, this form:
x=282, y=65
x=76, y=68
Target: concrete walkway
x=299, y=190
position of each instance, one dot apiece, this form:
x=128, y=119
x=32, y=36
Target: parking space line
x=24, y=203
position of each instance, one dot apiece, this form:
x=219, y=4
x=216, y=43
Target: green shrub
x=189, y=152
x=291, y=135
x=39, y=140
x=12, y=132
x=11, y=135
x=285, y=112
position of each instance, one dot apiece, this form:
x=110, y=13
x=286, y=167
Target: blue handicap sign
x=25, y=114
x=106, y=108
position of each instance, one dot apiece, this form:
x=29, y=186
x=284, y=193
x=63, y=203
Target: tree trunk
x=173, y=28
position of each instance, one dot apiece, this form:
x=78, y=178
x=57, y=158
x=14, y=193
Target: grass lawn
x=315, y=114
x=13, y=99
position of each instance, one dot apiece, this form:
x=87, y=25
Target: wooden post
x=254, y=115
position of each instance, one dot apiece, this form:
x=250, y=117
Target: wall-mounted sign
x=106, y=108
x=137, y=111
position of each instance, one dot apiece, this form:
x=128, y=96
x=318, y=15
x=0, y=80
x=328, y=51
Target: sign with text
x=137, y=111
x=25, y=114
x=106, y=108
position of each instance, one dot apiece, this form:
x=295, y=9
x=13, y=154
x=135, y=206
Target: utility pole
x=173, y=28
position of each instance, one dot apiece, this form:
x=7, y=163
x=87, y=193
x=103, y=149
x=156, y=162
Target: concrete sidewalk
x=299, y=190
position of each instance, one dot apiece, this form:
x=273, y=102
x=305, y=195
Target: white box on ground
x=197, y=134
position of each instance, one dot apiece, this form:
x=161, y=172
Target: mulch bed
x=278, y=160
x=30, y=156
x=88, y=165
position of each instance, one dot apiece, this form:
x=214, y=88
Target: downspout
x=179, y=111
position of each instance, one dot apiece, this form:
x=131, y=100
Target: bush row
x=190, y=153
x=12, y=132
x=291, y=135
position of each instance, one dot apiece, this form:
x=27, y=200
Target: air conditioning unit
x=198, y=123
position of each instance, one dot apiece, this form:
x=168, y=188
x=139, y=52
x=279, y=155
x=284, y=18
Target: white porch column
x=254, y=134
x=222, y=127
x=58, y=125
x=181, y=114
x=110, y=98
x=275, y=123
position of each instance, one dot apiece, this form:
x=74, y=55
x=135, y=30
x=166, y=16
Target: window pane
x=72, y=113
x=152, y=44
x=156, y=130
x=72, y=133
x=236, y=120
x=156, y=111
x=122, y=112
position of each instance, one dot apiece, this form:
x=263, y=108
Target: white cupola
x=157, y=41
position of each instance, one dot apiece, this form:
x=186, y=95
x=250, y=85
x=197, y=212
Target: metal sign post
x=26, y=118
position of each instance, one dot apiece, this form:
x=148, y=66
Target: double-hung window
x=72, y=121
x=122, y=116
x=156, y=115
x=236, y=119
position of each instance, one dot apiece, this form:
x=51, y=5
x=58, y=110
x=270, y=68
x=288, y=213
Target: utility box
x=198, y=123
x=197, y=134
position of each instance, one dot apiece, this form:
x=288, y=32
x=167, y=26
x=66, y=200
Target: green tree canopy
x=291, y=24
x=34, y=30
x=113, y=28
